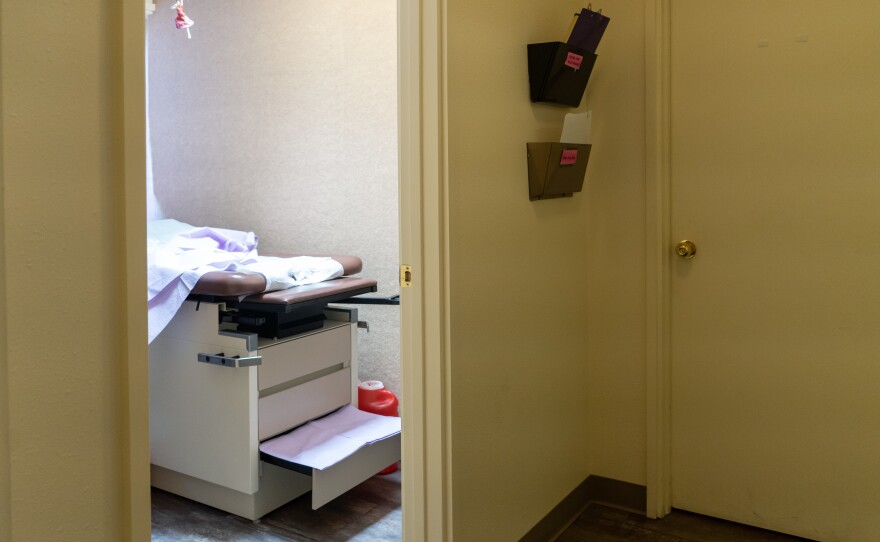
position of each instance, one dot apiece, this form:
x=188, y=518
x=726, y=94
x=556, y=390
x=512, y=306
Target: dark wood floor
x=368, y=513
x=603, y=524
x=371, y=513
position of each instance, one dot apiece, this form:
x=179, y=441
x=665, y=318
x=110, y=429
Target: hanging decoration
x=182, y=21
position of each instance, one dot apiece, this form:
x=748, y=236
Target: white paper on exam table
x=326, y=441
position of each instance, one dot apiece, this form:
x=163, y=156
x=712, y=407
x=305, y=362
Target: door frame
x=424, y=334
x=658, y=257
x=136, y=400
x=423, y=224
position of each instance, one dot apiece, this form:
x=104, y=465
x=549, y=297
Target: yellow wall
x=64, y=358
x=517, y=308
x=521, y=271
x=5, y=530
x=615, y=270
x=547, y=297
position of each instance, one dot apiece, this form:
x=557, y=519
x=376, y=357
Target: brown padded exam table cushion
x=283, y=312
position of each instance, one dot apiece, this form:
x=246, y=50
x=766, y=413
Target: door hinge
x=405, y=276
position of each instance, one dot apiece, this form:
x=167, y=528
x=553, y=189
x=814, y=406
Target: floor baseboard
x=594, y=489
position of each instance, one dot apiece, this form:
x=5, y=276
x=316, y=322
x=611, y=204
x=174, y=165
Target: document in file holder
x=588, y=30
x=324, y=442
x=557, y=170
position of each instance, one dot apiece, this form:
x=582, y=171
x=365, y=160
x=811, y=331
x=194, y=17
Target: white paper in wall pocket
x=577, y=128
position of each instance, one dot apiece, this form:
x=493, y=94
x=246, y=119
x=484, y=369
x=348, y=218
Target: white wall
x=280, y=117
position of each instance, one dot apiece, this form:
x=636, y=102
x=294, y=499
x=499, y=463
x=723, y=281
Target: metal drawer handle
x=230, y=361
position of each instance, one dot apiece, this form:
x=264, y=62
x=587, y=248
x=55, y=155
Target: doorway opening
x=282, y=120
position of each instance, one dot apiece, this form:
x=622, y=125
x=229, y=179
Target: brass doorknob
x=686, y=249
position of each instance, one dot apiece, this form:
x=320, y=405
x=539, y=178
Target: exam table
x=235, y=368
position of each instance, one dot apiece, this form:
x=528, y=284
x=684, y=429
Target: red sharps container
x=374, y=398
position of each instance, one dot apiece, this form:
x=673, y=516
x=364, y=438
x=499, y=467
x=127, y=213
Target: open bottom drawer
x=338, y=452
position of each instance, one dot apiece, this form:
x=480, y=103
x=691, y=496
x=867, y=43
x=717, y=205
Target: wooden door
x=775, y=168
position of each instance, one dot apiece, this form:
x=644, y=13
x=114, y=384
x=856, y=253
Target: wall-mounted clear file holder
x=556, y=170
x=558, y=73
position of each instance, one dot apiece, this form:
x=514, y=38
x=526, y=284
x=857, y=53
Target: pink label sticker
x=573, y=60
x=569, y=157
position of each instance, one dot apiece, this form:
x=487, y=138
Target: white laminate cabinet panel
x=203, y=417
x=294, y=359
x=295, y=406
x=207, y=420
x=332, y=482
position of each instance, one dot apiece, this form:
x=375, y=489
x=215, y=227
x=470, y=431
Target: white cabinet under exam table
x=207, y=418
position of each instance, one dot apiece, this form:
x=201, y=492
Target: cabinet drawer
x=289, y=360
x=349, y=449
x=295, y=406
x=332, y=482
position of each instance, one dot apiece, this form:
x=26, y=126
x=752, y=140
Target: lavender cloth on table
x=178, y=254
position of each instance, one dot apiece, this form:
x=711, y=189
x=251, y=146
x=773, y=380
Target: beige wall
x=615, y=268
x=547, y=317
x=5, y=470
x=63, y=417
x=281, y=118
